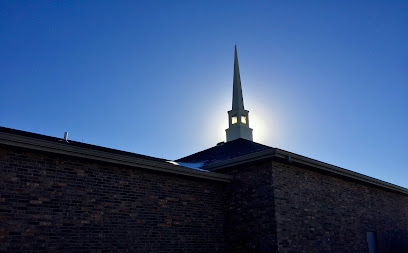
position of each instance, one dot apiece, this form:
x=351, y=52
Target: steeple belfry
x=238, y=116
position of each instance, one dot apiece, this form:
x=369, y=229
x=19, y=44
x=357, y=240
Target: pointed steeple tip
x=237, y=100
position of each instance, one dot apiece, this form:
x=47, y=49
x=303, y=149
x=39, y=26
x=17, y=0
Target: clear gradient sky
x=324, y=79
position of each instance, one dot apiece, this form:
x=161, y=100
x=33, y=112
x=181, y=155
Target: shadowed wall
x=318, y=212
x=56, y=203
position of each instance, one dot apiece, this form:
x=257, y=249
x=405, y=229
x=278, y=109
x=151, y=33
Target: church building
x=58, y=195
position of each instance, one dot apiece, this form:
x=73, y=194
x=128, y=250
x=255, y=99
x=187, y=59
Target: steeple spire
x=238, y=116
x=237, y=100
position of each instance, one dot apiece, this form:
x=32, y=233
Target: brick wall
x=318, y=212
x=250, y=224
x=58, y=203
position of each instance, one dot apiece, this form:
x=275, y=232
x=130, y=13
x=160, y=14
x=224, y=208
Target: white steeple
x=238, y=116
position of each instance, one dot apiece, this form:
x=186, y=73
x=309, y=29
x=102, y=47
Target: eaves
x=275, y=153
x=71, y=150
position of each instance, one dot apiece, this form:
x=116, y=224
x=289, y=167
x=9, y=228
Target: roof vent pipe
x=289, y=158
x=66, y=136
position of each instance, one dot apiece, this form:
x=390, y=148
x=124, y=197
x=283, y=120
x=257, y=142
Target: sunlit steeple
x=238, y=116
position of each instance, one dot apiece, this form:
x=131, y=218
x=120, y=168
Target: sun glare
x=258, y=125
x=264, y=123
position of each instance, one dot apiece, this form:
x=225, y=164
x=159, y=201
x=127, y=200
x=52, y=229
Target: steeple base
x=236, y=132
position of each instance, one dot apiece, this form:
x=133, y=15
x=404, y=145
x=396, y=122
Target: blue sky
x=324, y=79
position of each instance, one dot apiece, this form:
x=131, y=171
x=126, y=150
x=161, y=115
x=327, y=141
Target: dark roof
x=77, y=144
x=224, y=151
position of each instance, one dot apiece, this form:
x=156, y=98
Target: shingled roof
x=224, y=151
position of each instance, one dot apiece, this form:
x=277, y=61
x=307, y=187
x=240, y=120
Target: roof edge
x=255, y=156
x=66, y=149
x=338, y=170
x=279, y=153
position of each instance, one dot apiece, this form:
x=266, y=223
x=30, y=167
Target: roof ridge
x=228, y=150
x=225, y=143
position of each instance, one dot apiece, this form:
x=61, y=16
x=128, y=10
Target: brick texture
x=317, y=212
x=274, y=206
x=250, y=224
x=56, y=203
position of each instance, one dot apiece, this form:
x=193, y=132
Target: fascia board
x=66, y=149
x=295, y=158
